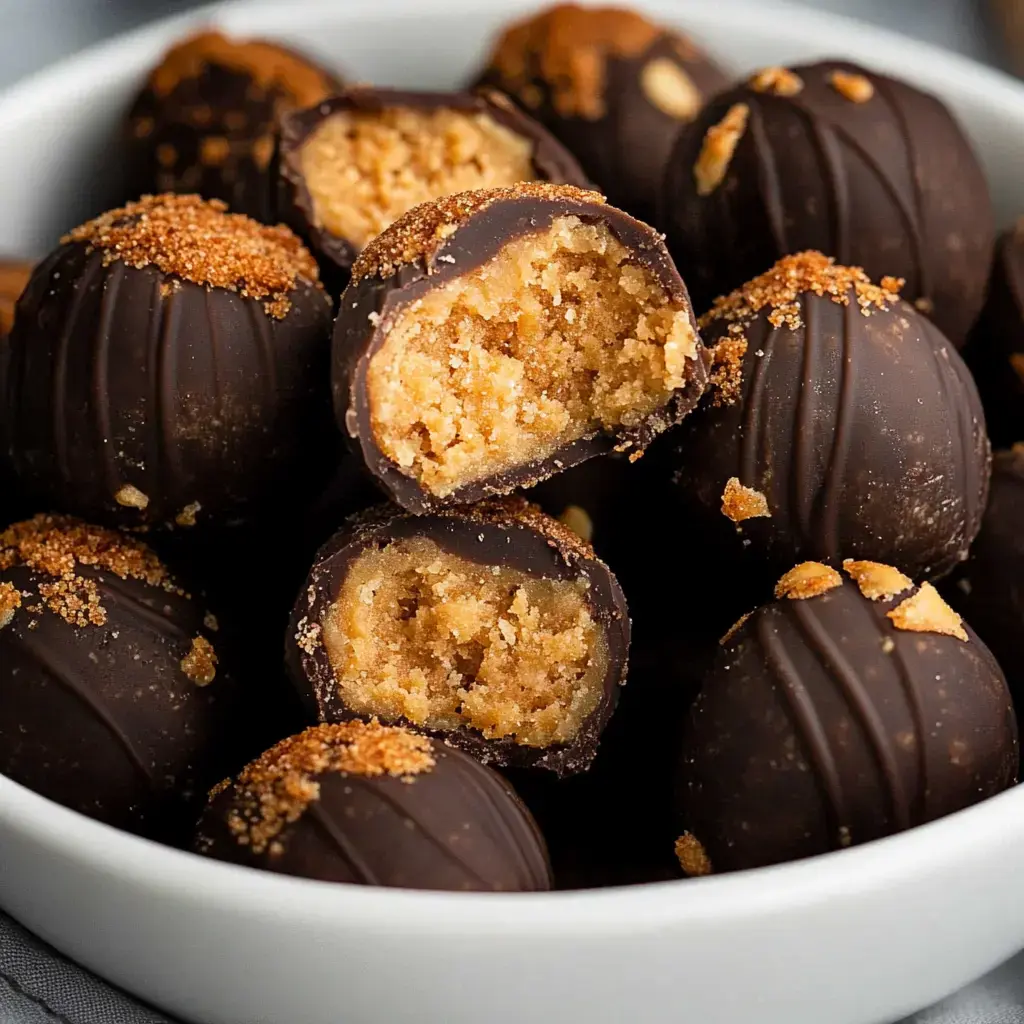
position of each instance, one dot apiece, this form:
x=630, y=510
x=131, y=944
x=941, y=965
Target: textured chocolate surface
x=441, y=820
x=821, y=725
x=206, y=118
x=611, y=86
x=888, y=183
x=861, y=427
x=431, y=247
x=507, y=534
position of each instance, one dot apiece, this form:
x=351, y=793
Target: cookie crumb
x=578, y=520
x=926, y=612
x=720, y=144
x=808, y=579
x=131, y=497
x=200, y=664
x=740, y=502
x=877, y=581
x=187, y=516
x=692, y=856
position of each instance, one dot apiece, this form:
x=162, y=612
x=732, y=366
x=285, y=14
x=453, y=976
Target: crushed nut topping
x=926, y=612
x=808, y=579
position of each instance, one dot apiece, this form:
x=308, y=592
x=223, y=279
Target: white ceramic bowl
x=858, y=937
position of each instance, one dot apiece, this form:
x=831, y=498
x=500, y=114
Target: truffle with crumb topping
x=206, y=118
x=831, y=156
x=492, y=626
x=168, y=368
x=370, y=804
x=834, y=718
x=849, y=412
x=490, y=339
x=612, y=86
x=113, y=700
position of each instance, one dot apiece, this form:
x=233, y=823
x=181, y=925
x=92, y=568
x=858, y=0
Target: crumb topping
x=720, y=142
x=926, y=612
x=200, y=664
x=692, y=856
x=578, y=520
x=668, y=87
x=725, y=379
x=187, y=516
x=780, y=289
x=777, y=81
x=277, y=788
x=734, y=629
x=10, y=602
x=806, y=580
x=855, y=88
x=131, y=497
x=739, y=502
x=877, y=582
x=199, y=241
x=14, y=275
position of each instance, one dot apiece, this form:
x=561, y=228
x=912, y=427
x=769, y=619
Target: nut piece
x=692, y=856
x=200, y=664
x=670, y=89
x=855, y=88
x=926, y=612
x=578, y=520
x=739, y=502
x=187, y=516
x=877, y=582
x=778, y=81
x=808, y=579
x=720, y=143
x=131, y=497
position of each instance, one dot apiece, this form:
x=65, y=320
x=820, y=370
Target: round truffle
x=491, y=339
x=168, y=367
x=352, y=165
x=832, y=157
x=112, y=701
x=491, y=626
x=376, y=805
x=854, y=706
x=612, y=86
x=840, y=423
x=205, y=120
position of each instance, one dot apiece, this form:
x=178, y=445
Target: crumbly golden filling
x=364, y=169
x=558, y=336
x=419, y=633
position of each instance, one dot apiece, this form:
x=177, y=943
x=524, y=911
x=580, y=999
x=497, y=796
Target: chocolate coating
x=472, y=229
x=551, y=161
x=454, y=825
x=612, y=86
x=870, y=182
x=205, y=120
x=108, y=708
x=507, y=534
x=821, y=726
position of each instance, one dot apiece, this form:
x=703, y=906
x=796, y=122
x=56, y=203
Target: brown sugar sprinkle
x=777, y=81
x=200, y=664
x=780, y=290
x=568, y=48
x=272, y=68
x=131, y=497
x=720, y=142
x=877, y=581
x=725, y=379
x=199, y=241
x=10, y=602
x=692, y=856
x=926, y=612
x=739, y=502
x=275, y=790
x=855, y=88
x=734, y=629
x=420, y=233
x=806, y=580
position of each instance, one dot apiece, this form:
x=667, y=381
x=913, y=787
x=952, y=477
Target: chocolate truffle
x=491, y=626
x=854, y=706
x=840, y=423
x=352, y=165
x=995, y=352
x=491, y=339
x=376, y=805
x=612, y=86
x=206, y=118
x=168, y=367
x=833, y=157
x=112, y=700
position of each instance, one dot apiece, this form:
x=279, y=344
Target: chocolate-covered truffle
x=206, y=118
x=612, y=86
x=491, y=339
x=112, y=698
x=832, y=157
x=492, y=626
x=376, y=805
x=353, y=164
x=854, y=706
x=840, y=423
x=168, y=367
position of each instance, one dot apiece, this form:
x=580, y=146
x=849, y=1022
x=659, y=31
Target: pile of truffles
x=351, y=468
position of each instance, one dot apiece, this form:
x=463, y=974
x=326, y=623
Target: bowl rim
x=941, y=846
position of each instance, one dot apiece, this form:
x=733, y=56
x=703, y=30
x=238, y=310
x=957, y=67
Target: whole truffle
x=846, y=710
x=112, y=699
x=376, y=805
x=833, y=157
x=205, y=120
x=840, y=423
x=612, y=86
x=168, y=367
